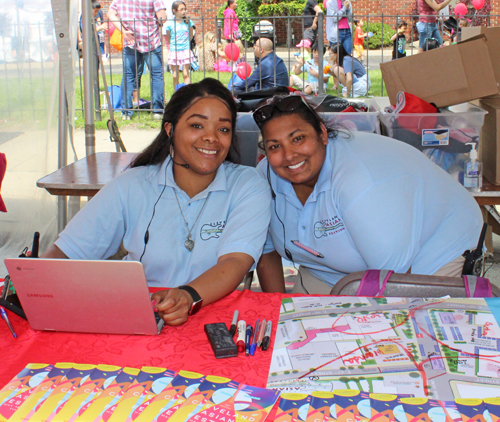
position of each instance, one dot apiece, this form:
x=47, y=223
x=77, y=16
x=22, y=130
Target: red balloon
x=232, y=52
x=478, y=4
x=243, y=71
x=460, y=9
x=111, y=29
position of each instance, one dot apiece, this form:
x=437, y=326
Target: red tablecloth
x=185, y=347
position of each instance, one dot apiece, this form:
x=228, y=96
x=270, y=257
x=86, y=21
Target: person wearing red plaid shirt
x=140, y=21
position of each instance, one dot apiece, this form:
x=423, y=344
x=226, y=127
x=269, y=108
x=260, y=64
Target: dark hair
x=229, y=3
x=315, y=47
x=309, y=115
x=401, y=24
x=430, y=44
x=339, y=50
x=96, y=5
x=176, y=4
x=356, y=21
x=180, y=102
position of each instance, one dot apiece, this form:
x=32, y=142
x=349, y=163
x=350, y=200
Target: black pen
x=232, y=330
x=267, y=335
x=6, y=319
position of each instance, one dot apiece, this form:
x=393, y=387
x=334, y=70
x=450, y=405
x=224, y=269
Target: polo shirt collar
x=218, y=184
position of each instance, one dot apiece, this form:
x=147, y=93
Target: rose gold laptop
x=107, y=297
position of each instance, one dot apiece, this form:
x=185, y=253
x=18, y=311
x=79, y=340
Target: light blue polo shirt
x=235, y=219
x=378, y=204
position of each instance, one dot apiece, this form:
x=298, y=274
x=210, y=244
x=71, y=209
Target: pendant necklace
x=189, y=243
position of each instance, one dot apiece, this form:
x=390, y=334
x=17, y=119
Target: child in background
x=208, y=52
x=179, y=33
x=399, y=41
x=359, y=35
x=222, y=64
x=457, y=36
x=309, y=86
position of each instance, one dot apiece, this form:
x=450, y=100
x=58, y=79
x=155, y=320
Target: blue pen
x=253, y=346
x=248, y=339
x=6, y=319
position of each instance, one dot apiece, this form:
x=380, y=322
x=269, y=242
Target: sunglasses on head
x=288, y=103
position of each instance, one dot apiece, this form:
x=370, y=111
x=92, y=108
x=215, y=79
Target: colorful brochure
x=109, y=397
x=352, y=405
x=183, y=381
x=493, y=406
x=62, y=392
x=422, y=409
x=86, y=392
x=322, y=407
x=185, y=384
x=150, y=393
x=473, y=410
x=248, y=404
x=41, y=392
x=20, y=388
x=383, y=406
x=292, y=407
x=127, y=404
x=202, y=396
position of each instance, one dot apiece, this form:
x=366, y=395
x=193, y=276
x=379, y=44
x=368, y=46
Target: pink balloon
x=460, y=9
x=478, y=4
x=232, y=52
x=111, y=29
x=243, y=71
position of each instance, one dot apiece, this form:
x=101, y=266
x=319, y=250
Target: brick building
x=389, y=8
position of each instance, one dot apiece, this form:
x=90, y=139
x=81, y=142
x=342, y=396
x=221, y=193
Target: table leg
x=73, y=206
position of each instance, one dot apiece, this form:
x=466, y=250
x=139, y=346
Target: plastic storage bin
x=358, y=121
x=441, y=136
x=249, y=134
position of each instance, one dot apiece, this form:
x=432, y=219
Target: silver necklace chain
x=189, y=243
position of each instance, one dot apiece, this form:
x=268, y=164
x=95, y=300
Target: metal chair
x=409, y=285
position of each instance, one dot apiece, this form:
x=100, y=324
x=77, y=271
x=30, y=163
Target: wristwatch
x=197, y=300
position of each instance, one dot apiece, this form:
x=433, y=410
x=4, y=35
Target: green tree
x=381, y=34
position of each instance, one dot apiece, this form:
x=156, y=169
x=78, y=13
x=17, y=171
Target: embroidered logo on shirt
x=328, y=227
x=212, y=230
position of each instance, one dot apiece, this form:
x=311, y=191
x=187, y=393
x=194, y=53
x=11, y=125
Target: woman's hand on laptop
x=173, y=305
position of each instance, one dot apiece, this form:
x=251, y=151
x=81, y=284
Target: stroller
x=263, y=29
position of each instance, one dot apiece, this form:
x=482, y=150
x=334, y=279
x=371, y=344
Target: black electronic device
x=221, y=340
x=474, y=259
x=9, y=299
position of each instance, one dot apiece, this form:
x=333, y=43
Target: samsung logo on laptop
x=39, y=295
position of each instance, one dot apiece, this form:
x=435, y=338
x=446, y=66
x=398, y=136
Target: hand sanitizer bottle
x=473, y=171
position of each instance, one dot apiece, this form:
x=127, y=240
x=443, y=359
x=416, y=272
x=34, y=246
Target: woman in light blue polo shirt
x=349, y=72
x=351, y=202
x=184, y=209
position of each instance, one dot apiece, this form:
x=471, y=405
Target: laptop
x=106, y=297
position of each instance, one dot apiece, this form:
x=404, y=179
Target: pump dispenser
x=473, y=171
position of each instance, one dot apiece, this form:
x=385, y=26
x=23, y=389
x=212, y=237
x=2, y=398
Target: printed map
x=436, y=348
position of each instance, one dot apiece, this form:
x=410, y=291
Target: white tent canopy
x=37, y=59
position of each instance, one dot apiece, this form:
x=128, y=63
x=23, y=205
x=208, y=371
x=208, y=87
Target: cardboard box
x=490, y=140
x=446, y=76
x=492, y=42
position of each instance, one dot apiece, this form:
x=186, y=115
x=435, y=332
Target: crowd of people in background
x=143, y=28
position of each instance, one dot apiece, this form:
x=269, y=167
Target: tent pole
x=62, y=158
x=88, y=83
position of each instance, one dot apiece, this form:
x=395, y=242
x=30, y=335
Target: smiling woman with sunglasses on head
x=196, y=220
x=351, y=202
